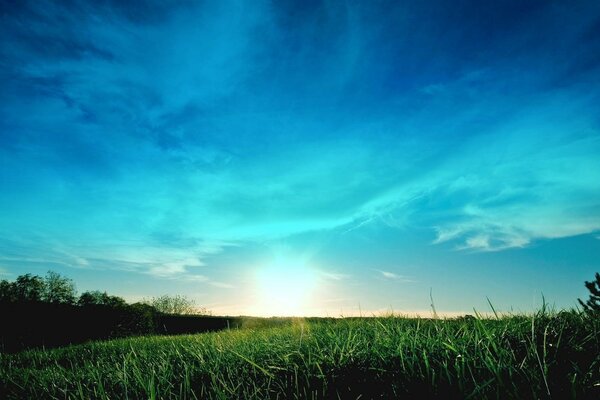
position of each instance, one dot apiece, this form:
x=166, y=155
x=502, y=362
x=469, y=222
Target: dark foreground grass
x=541, y=356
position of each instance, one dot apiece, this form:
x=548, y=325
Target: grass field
x=537, y=356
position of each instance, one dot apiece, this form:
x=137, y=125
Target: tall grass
x=538, y=356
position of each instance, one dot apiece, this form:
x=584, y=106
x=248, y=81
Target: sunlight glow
x=284, y=288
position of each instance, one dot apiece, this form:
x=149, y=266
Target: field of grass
x=538, y=356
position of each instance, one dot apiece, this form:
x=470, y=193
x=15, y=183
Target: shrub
x=592, y=305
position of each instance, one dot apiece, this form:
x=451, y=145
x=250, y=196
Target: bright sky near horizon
x=304, y=157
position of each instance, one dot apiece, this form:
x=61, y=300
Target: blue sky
x=389, y=148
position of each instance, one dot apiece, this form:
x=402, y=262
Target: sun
x=284, y=288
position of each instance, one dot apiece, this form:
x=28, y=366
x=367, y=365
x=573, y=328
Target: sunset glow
x=284, y=288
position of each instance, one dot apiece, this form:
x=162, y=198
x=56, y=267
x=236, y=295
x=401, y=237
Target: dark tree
x=91, y=298
x=98, y=298
x=59, y=289
x=29, y=288
x=7, y=291
x=593, y=303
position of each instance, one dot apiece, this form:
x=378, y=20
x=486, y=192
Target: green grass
x=540, y=356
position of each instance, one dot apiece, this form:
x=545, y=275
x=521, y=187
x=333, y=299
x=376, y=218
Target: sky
x=304, y=157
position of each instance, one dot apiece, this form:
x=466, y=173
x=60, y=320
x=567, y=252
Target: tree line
x=57, y=289
x=47, y=311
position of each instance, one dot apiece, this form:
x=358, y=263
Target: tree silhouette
x=29, y=288
x=32, y=288
x=98, y=298
x=593, y=303
x=59, y=289
x=7, y=291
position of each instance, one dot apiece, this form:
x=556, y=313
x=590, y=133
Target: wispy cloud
x=393, y=276
x=333, y=276
x=534, y=182
x=170, y=263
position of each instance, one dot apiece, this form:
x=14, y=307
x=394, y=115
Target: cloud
x=333, y=276
x=531, y=177
x=393, y=276
x=478, y=242
x=389, y=275
x=169, y=263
